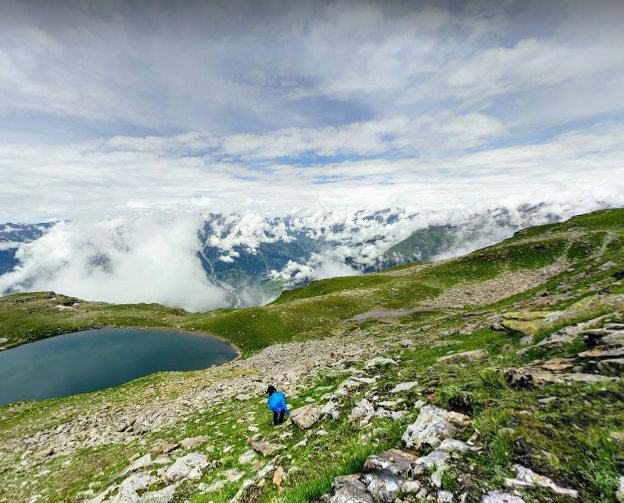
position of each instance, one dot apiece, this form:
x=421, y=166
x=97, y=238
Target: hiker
x=277, y=404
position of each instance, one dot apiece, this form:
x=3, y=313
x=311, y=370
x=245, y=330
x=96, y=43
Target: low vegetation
x=509, y=300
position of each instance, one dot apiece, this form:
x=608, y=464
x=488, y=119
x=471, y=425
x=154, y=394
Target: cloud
x=121, y=261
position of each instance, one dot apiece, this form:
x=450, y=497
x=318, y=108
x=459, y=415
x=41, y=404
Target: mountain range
x=254, y=258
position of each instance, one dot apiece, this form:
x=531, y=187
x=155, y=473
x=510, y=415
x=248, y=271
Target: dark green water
x=95, y=359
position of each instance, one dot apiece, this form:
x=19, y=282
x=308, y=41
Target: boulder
x=432, y=426
x=307, y=416
x=188, y=466
x=265, y=448
x=383, y=487
x=393, y=461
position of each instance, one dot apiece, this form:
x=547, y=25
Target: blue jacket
x=277, y=402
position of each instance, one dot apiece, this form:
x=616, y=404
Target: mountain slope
x=524, y=338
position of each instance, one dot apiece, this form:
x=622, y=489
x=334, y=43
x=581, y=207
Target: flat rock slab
x=466, y=357
x=528, y=479
x=266, y=449
x=393, y=461
x=247, y=457
x=189, y=466
x=307, y=416
x=380, y=361
x=194, y=441
x=432, y=426
x=404, y=386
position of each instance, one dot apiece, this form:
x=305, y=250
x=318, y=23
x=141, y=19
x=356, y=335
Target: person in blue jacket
x=277, y=404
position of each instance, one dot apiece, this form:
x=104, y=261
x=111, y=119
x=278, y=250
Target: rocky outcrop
x=433, y=425
x=307, y=416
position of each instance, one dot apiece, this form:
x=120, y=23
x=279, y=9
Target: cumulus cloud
x=121, y=261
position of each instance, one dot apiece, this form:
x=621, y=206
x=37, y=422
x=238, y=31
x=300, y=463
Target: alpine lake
x=80, y=362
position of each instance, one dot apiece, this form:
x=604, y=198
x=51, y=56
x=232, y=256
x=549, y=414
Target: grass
x=567, y=439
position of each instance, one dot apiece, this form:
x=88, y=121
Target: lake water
x=95, y=359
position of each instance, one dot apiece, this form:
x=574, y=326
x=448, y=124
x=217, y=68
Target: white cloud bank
x=119, y=261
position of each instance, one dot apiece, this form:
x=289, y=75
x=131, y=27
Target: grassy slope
x=568, y=439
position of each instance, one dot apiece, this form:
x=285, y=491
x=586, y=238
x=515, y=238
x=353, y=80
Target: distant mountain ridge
x=254, y=258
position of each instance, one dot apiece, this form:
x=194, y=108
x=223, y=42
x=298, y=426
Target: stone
x=187, y=465
x=445, y=496
x=246, y=458
x=349, y=489
x=603, y=353
x=450, y=445
x=167, y=448
x=136, y=465
x=380, y=361
x=432, y=426
x=404, y=386
x=528, y=479
x=265, y=448
x=411, y=486
x=278, y=478
x=438, y=459
x=383, y=487
x=500, y=497
x=194, y=441
x=165, y=495
x=307, y=416
x=466, y=357
x=393, y=461
x=363, y=410
x=331, y=409
x=233, y=475
x=258, y=479
x=243, y=397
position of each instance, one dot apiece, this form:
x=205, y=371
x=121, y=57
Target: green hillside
x=525, y=338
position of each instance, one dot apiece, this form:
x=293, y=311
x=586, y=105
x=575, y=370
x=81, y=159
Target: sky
x=112, y=108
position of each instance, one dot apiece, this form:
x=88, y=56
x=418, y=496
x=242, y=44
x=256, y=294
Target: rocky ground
x=508, y=390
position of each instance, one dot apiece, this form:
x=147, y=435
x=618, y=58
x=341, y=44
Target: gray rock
x=445, y=497
x=232, y=475
x=432, y=426
x=246, y=458
x=188, y=466
x=363, y=410
x=194, y=441
x=393, y=461
x=349, y=489
x=331, y=409
x=404, y=386
x=528, y=479
x=619, y=495
x=383, y=487
x=136, y=465
x=162, y=496
x=306, y=416
x=380, y=361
